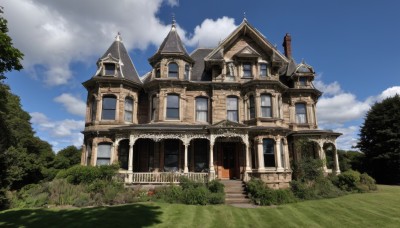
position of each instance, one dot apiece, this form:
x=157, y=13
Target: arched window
x=201, y=109
x=252, y=111
x=108, y=108
x=301, y=113
x=187, y=71
x=103, y=154
x=266, y=109
x=158, y=73
x=153, y=107
x=128, y=114
x=263, y=70
x=93, y=109
x=173, y=70
x=173, y=106
x=269, y=152
x=232, y=109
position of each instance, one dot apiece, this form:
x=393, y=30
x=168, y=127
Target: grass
x=378, y=209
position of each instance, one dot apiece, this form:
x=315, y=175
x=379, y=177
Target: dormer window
x=247, y=70
x=303, y=81
x=158, y=73
x=109, y=69
x=173, y=70
x=263, y=70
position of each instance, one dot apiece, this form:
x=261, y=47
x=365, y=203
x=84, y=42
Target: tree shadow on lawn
x=135, y=215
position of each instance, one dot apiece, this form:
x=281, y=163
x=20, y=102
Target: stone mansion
x=236, y=111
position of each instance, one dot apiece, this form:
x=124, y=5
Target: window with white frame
x=103, y=154
x=301, y=113
x=252, y=110
x=263, y=70
x=173, y=70
x=109, y=105
x=266, y=107
x=128, y=114
x=232, y=109
x=201, y=109
x=269, y=152
x=172, y=107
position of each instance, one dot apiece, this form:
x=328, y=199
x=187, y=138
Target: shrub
x=348, y=180
x=186, y=183
x=63, y=193
x=216, y=198
x=367, y=182
x=195, y=196
x=32, y=195
x=215, y=186
x=169, y=194
x=262, y=195
x=88, y=174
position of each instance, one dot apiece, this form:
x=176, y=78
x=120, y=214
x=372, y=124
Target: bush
x=348, y=180
x=216, y=186
x=262, y=195
x=32, y=195
x=216, y=198
x=195, y=196
x=88, y=174
x=186, y=183
x=169, y=194
x=367, y=182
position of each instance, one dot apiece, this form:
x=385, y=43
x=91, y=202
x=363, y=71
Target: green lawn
x=379, y=209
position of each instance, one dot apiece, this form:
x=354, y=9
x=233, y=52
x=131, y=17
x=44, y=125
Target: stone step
x=235, y=195
x=237, y=201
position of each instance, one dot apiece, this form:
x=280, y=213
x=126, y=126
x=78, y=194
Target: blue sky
x=353, y=46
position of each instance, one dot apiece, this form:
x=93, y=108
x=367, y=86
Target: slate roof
x=172, y=45
x=198, y=73
x=118, y=51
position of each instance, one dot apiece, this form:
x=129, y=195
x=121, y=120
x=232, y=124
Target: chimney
x=287, y=45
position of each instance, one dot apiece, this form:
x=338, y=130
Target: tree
x=380, y=141
x=67, y=157
x=10, y=57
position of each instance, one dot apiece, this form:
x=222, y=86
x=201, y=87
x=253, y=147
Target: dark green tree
x=67, y=157
x=380, y=141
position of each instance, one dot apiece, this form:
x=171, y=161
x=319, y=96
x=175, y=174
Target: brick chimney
x=287, y=45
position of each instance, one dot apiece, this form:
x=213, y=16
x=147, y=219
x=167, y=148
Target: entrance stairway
x=235, y=192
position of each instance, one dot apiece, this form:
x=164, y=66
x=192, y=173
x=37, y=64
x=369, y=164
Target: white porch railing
x=165, y=177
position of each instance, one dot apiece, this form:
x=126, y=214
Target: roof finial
x=244, y=16
x=118, y=37
x=173, y=20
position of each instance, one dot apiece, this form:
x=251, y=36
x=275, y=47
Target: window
x=232, y=108
x=187, y=71
x=266, y=110
x=302, y=81
x=109, y=69
x=93, y=109
x=89, y=153
x=263, y=70
x=103, y=154
x=109, y=105
x=172, y=107
x=173, y=70
x=128, y=109
x=202, y=109
x=171, y=153
x=283, y=162
x=247, y=70
x=153, y=107
x=269, y=153
x=301, y=116
x=158, y=74
x=252, y=112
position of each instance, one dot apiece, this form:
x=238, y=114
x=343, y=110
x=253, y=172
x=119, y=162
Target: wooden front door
x=228, y=161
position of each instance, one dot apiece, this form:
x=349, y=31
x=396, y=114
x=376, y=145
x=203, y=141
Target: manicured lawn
x=379, y=209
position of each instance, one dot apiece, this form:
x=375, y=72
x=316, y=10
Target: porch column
x=248, y=168
x=286, y=154
x=337, y=168
x=278, y=154
x=185, y=169
x=260, y=155
x=94, y=155
x=211, y=160
x=322, y=155
x=130, y=156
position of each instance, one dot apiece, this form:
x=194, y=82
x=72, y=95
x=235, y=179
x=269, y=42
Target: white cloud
x=389, y=92
x=330, y=89
x=73, y=104
x=173, y=3
x=55, y=34
x=59, y=134
x=349, y=138
x=340, y=108
x=210, y=32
